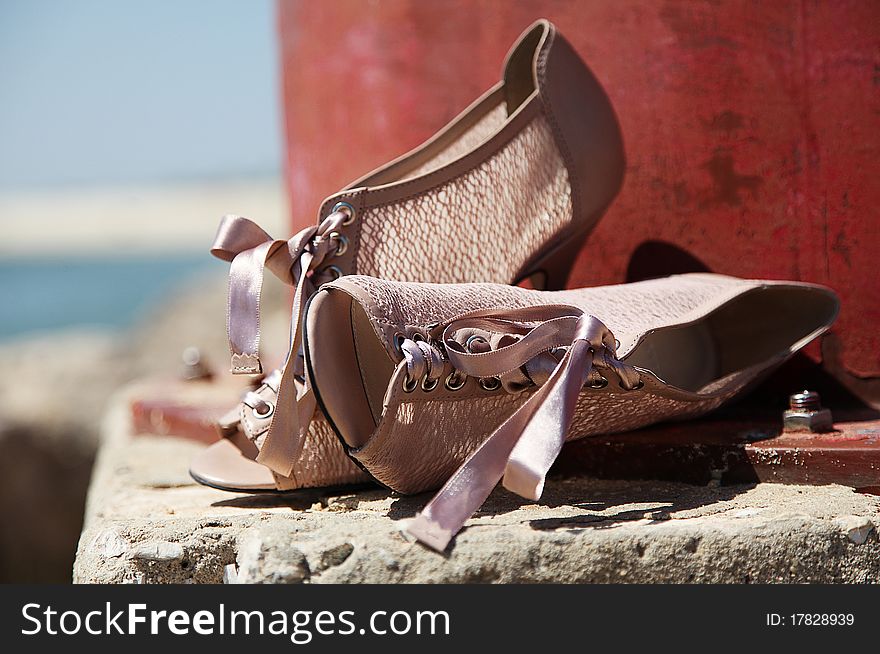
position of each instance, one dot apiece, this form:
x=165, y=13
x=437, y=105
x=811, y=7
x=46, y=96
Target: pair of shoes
x=509, y=190
x=435, y=380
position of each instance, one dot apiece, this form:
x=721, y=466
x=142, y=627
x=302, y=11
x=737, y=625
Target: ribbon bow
x=524, y=447
x=296, y=262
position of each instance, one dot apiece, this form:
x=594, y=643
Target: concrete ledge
x=147, y=522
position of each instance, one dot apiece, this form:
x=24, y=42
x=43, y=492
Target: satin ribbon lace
x=515, y=348
x=299, y=262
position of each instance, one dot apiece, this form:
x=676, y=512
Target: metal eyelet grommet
x=345, y=207
x=490, y=383
x=342, y=248
x=398, y=342
x=616, y=344
x=268, y=407
x=600, y=383
x=474, y=338
x=417, y=336
x=637, y=387
x=429, y=385
x=336, y=271
x=455, y=382
x=409, y=385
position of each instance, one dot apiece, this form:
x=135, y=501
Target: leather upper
x=423, y=436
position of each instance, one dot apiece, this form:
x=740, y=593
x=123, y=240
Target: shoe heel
x=557, y=265
x=552, y=270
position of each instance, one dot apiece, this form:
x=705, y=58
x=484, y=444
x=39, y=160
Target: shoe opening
x=760, y=325
x=478, y=123
x=349, y=366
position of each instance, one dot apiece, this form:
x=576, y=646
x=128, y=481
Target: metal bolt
x=805, y=413
x=194, y=366
x=805, y=401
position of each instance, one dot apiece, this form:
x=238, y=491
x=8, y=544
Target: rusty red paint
x=752, y=129
x=169, y=418
x=183, y=409
x=724, y=450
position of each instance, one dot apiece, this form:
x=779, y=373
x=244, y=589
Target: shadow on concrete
x=344, y=497
x=594, y=496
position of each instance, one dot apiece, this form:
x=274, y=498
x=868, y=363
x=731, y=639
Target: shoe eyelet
x=399, y=338
x=637, y=387
x=409, y=385
x=346, y=208
x=490, y=383
x=454, y=381
x=429, y=385
x=474, y=338
x=601, y=383
x=417, y=336
x=342, y=248
x=336, y=271
x=616, y=344
x=269, y=410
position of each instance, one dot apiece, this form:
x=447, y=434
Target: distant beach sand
x=143, y=219
x=99, y=257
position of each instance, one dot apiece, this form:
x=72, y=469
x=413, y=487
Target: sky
x=108, y=92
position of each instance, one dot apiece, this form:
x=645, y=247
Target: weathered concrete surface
x=148, y=522
x=52, y=404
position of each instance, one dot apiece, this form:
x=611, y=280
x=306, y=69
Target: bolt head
x=194, y=365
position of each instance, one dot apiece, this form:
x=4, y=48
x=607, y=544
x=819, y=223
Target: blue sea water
x=44, y=294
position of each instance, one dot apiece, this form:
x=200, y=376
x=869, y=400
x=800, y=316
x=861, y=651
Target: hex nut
x=807, y=421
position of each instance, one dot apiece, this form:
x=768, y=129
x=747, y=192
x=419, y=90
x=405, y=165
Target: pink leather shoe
x=463, y=385
x=508, y=190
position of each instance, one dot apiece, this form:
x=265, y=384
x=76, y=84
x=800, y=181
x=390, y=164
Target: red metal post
x=752, y=129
